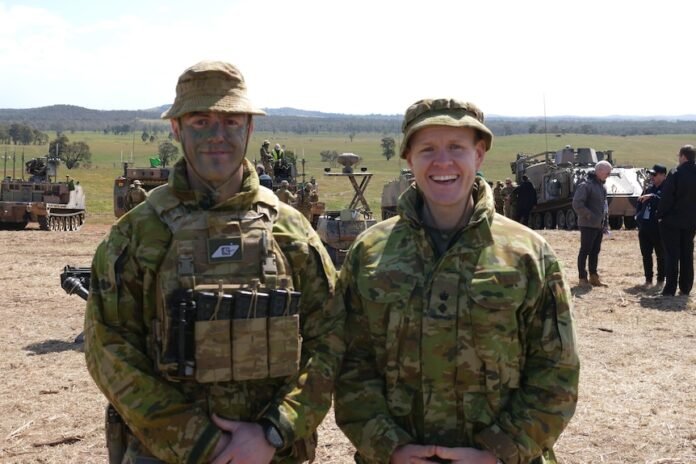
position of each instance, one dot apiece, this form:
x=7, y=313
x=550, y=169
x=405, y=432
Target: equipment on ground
x=75, y=281
x=41, y=198
x=556, y=175
x=338, y=229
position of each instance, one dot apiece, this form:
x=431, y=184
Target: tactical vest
x=226, y=308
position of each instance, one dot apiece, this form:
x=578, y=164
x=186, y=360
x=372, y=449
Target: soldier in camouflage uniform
x=284, y=194
x=508, y=199
x=136, y=195
x=460, y=343
x=266, y=157
x=206, y=325
x=498, y=197
x=304, y=201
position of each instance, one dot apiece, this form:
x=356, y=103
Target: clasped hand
x=241, y=443
x=427, y=454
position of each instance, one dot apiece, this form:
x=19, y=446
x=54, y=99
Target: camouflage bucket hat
x=211, y=86
x=443, y=112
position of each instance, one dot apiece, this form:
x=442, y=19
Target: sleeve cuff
x=285, y=427
x=205, y=446
x=499, y=443
x=379, y=439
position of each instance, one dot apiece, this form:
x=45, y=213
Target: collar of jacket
x=593, y=177
x=248, y=195
x=687, y=166
x=476, y=234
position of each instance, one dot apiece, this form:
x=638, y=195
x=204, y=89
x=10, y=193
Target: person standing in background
x=589, y=203
x=648, y=226
x=676, y=213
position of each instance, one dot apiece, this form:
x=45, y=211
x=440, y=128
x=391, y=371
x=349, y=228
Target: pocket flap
x=498, y=289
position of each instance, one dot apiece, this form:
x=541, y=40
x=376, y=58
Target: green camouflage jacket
x=173, y=419
x=475, y=349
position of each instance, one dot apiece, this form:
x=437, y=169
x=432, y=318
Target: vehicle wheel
x=615, y=222
x=561, y=220
x=549, y=220
x=629, y=222
x=44, y=223
x=571, y=220
x=536, y=221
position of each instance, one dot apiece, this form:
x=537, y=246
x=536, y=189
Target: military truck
x=149, y=178
x=556, y=175
x=392, y=190
x=41, y=198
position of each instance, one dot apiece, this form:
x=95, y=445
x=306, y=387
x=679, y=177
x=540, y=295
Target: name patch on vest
x=224, y=249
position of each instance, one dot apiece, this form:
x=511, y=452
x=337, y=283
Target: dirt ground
x=637, y=389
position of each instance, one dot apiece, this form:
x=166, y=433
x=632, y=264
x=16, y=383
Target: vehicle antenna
x=546, y=130
x=303, y=172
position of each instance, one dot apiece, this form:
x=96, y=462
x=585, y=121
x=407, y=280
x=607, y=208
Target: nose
x=442, y=156
x=217, y=131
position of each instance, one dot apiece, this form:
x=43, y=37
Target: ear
x=250, y=127
x=480, y=153
x=175, y=129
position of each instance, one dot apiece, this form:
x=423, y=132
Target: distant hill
x=70, y=117
x=65, y=117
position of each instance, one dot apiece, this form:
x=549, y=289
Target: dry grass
x=638, y=382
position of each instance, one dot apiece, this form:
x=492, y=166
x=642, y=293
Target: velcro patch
x=224, y=249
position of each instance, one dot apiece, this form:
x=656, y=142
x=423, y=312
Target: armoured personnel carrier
x=556, y=175
x=338, y=229
x=148, y=177
x=41, y=198
x=392, y=190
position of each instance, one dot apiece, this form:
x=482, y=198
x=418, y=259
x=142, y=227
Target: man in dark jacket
x=677, y=215
x=648, y=227
x=588, y=202
x=526, y=199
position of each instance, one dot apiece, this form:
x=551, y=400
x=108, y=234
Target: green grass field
x=109, y=150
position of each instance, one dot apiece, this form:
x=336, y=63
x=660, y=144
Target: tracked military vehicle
x=556, y=175
x=149, y=178
x=41, y=198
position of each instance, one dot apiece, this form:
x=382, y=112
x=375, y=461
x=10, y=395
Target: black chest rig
x=226, y=308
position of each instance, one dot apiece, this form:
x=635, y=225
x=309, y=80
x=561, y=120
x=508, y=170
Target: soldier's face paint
x=214, y=143
x=444, y=161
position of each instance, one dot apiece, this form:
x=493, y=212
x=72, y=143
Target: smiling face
x=214, y=143
x=444, y=161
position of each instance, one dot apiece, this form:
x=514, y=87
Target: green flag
x=155, y=162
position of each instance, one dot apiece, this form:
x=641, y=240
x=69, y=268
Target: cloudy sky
x=511, y=57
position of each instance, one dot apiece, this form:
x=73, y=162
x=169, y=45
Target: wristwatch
x=272, y=434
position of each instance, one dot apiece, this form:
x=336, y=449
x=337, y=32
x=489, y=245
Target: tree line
x=64, y=118
x=21, y=134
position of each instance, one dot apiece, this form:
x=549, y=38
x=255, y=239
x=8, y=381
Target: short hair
x=688, y=152
x=603, y=165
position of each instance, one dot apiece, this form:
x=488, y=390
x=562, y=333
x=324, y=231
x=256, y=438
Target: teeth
x=443, y=178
